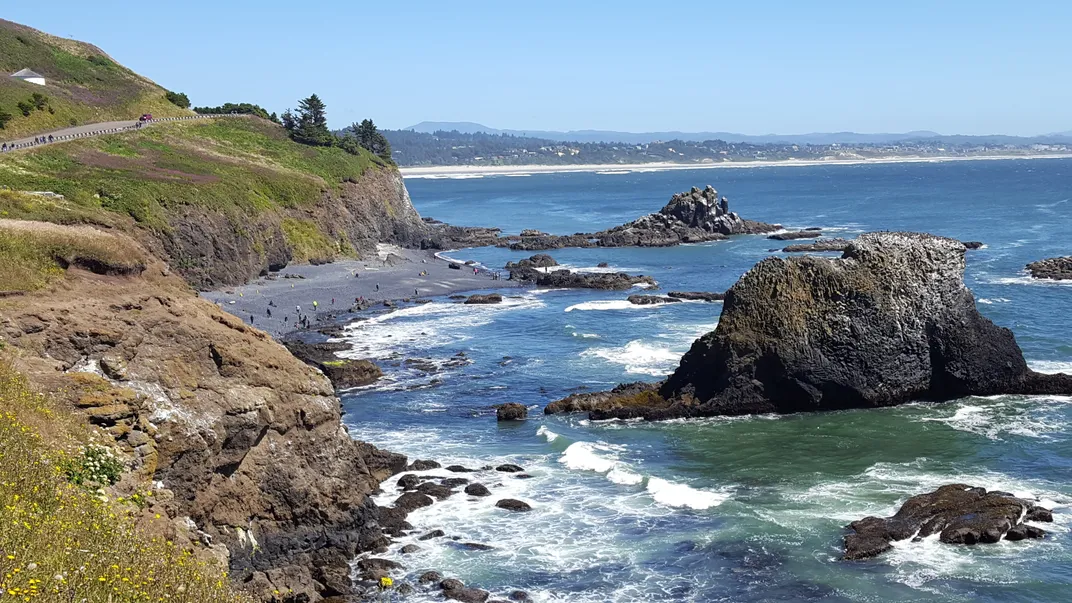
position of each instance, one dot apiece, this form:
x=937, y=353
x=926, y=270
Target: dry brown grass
x=34, y=254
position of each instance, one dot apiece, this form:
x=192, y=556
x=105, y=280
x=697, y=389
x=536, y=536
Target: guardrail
x=51, y=138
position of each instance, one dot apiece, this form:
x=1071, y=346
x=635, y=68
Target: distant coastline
x=474, y=171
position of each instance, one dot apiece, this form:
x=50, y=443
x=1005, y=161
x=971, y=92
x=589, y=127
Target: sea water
x=722, y=509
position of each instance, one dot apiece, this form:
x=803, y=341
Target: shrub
x=94, y=465
x=4, y=118
x=39, y=101
x=178, y=99
x=25, y=107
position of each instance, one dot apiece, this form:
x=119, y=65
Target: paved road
x=97, y=129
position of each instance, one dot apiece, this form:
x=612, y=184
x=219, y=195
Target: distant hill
x=817, y=138
x=466, y=127
x=83, y=84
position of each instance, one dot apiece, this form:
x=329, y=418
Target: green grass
x=238, y=166
x=84, y=85
x=308, y=243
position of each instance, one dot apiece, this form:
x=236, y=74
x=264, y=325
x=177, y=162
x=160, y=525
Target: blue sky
x=972, y=67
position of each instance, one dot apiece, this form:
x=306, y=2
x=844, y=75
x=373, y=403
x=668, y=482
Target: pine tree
x=312, y=123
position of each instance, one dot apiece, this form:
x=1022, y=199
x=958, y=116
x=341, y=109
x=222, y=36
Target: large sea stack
x=888, y=322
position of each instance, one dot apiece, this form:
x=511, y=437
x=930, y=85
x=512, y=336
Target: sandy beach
x=475, y=171
x=376, y=282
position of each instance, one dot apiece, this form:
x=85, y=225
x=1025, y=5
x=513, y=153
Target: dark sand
x=397, y=280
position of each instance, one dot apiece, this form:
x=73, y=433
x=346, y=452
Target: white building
x=27, y=75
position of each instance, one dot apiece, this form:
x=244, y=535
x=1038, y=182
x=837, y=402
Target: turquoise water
x=745, y=509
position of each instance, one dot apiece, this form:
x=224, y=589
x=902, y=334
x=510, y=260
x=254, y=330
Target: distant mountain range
x=818, y=138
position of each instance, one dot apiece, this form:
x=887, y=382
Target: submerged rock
x=888, y=322
x=796, y=234
x=511, y=504
x=650, y=300
x=1052, y=268
x=959, y=514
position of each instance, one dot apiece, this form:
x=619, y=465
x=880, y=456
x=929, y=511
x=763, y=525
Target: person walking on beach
x=297, y=309
x=269, y=312
x=377, y=286
x=415, y=293
x=315, y=305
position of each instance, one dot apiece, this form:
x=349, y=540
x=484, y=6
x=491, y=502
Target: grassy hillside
x=235, y=166
x=85, y=85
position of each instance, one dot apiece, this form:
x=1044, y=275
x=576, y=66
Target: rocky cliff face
x=246, y=439
x=213, y=249
x=888, y=322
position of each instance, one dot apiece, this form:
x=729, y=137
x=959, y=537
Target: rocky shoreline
x=1058, y=269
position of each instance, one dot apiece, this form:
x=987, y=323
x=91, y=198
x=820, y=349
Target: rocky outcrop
x=690, y=217
x=490, y=298
x=706, y=296
x=440, y=235
x=889, y=322
x=958, y=513
x=511, y=411
x=527, y=270
x=246, y=440
x=1057, y=269
x=651, y=300
x=342, y=372
x=565, y=279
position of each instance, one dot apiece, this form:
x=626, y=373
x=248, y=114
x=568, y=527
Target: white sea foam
x=547, y=433
x=1028, y=280
x=623, y=476
x=587, y=269
x=639, y=358
x=614, y=172
x=582, y=456
x=607, y=304
x=1004, y=416
x=427, y=325
x=1050, y=366
x=681, y=495
x=585, y=335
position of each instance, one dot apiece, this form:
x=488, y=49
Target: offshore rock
x=796, y=234
x=511, y=411
x=706, y=296
x=564, y=279
x=959, y=514
x=528, y=268
x=888, y=322
x=490, y=298
x=690, y=217
x=1052, y=268
x=649, y=300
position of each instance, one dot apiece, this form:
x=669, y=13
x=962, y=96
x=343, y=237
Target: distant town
x=454, y=148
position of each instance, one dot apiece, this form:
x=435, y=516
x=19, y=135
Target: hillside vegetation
x=220, y=199
x=84, y=85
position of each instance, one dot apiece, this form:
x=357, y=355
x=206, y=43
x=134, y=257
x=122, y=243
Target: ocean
x=741, y=509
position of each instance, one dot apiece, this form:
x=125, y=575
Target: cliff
x=243, y=441
x=222, y=200
x=889, y=322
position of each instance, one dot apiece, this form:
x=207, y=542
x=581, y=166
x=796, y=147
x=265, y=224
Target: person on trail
x=285, y=319
x=333, y=301
x=377, y=286
x=269, y=312
x=315, y=305
x=415, y=293
x=250, y=319
x=297, y=309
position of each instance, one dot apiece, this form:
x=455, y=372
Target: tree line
x=309, y=125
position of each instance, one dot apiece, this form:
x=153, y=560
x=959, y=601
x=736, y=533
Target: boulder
x=433, y=534
x=491, y=298
x=453, y=482
x=423, y=465
x=1058, y=269
x=434, y=490
x=888, y=322
x=509, y=468
x=430, y=578
x=477, y=490
x=511, y=504
x=649, y=300
x=411, y=501
x=409, y=549
x=973, y=244
x=467, y=595
x=409, y=482
x=511, y=411
x=958, y=513
x=459, y=469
